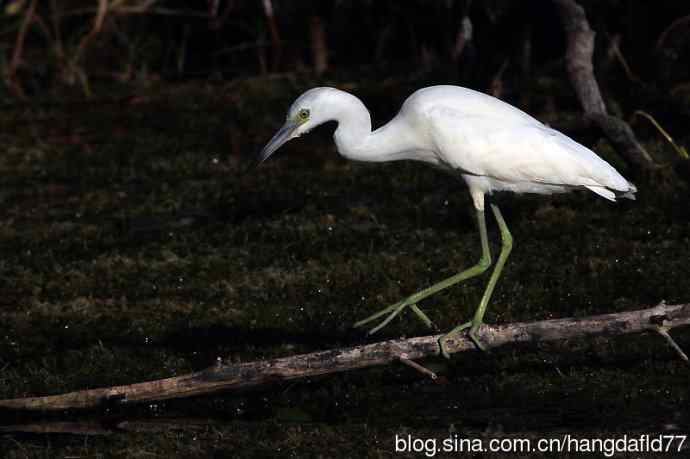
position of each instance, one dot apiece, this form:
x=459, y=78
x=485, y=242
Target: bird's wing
x=514, y=152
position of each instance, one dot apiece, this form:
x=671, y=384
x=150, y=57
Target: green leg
x=476, y=322
x=412, y=300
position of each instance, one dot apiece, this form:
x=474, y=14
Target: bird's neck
x=355, y=140
x=354, y=125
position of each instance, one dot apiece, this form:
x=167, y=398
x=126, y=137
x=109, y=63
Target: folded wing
x=520, y=152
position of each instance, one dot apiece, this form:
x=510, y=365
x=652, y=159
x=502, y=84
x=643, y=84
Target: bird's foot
x=392, y=311
x=472, y=333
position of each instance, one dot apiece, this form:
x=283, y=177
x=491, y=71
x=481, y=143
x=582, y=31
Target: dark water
x=133, y=250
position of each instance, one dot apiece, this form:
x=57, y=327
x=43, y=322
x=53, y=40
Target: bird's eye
x=303, y=114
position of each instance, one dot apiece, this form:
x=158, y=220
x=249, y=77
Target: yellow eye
x=303, y=114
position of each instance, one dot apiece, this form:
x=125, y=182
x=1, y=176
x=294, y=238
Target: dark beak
x=283, y=135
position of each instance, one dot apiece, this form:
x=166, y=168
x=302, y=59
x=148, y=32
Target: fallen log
x=224, y=377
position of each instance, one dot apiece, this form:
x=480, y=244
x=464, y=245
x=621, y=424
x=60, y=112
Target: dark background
x=231, y=39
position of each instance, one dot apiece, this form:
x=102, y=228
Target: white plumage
x=492, y=145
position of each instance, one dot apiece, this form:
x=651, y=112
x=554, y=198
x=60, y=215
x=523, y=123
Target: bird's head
x=314, y=107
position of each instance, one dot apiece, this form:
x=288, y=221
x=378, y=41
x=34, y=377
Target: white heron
x=492, y=145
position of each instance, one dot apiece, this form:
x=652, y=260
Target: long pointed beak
x=283, y=135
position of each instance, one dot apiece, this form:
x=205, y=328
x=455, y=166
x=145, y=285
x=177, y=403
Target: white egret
x=492, y=145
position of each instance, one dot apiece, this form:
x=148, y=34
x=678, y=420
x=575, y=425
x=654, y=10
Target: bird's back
x=463, y=100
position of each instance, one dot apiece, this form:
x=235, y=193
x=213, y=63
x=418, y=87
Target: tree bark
x=223, y=377
x=580, y=47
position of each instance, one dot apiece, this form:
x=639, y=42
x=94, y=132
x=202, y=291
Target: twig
x=98, y=21
x=662, y=37
x=21, y=36
x=412, y=364
x=225, y=377
x=58, y=46
x=663, y=331
x=277, y=43
x=463, y=37
x=496, y=84
x=682, y=152
x=19, y=50
x=143, y=10
x=319, y=45
x=614, y=51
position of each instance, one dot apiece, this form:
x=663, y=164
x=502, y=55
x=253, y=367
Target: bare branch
x=19, y=50
x=225, y=377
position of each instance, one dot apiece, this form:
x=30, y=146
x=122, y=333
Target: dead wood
x=224, y=377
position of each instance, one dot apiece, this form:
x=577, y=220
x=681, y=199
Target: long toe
x=423, y=317
x=400, y=306
x=375, y=316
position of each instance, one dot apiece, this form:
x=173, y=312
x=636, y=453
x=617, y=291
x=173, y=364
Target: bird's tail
x=630, y=194
x=611, y=194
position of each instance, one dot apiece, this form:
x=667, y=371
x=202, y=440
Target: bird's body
x=492, y=145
